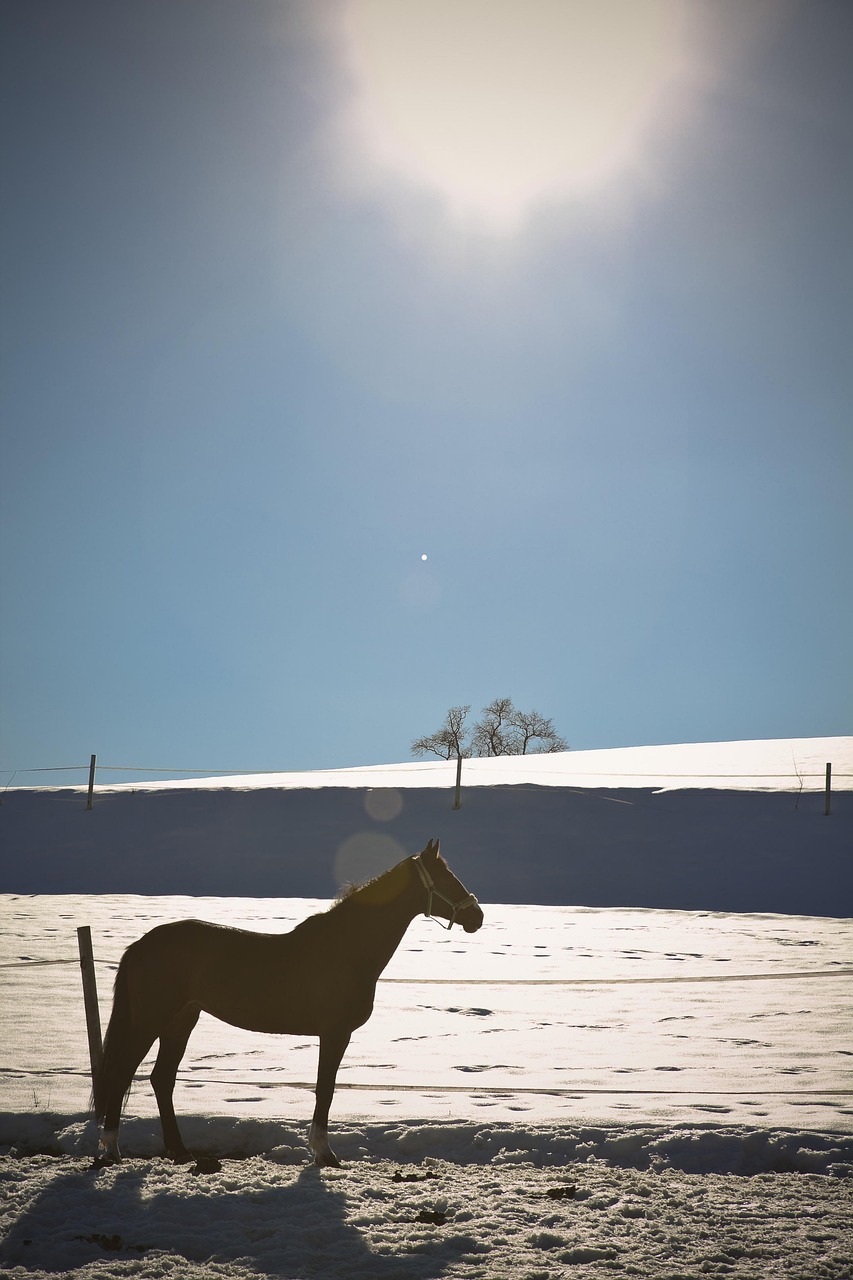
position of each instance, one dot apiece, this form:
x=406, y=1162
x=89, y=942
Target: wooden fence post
x=457, y=803
x=828, y=796
x=90, y=998
x=91, y=782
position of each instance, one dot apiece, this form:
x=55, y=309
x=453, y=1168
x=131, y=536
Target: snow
x=776, y=764
x=548, y=1015
x=459, y=1219
x=573, y=1091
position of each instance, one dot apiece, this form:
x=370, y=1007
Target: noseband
x=429, y=884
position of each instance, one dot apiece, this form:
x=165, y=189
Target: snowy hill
x=773, y=764
x=716, y=826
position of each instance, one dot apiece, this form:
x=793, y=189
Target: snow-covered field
x=650, y=1060
x=572, y=1091
x=549, y=1014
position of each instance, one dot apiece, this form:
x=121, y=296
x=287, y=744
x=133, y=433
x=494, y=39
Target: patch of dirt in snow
x=370, y=1221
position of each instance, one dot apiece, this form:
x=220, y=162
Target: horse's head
x=446, y=897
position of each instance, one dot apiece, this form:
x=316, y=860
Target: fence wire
x=421, y=765
x=660, y=979
x=543, y=1090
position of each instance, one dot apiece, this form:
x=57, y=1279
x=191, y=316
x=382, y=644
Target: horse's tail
x=111, y=1071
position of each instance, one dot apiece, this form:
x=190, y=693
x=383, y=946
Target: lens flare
x=496, y=104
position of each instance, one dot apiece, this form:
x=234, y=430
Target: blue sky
x=263, y=350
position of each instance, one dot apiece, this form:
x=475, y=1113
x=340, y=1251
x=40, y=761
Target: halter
x=429, y=884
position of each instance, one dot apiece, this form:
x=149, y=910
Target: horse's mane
x=341, y=906
x=349, y=890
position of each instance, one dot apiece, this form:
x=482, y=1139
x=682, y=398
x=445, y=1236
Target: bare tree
x=530, y=727
x=448, y=741
x=493, y=735
x=502, y=730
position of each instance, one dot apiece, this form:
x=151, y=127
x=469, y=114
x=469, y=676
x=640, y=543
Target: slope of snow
x=779, y=764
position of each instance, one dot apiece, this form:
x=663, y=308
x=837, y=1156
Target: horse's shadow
x=281, y=1225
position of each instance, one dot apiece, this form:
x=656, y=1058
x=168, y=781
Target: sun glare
x=497, y=104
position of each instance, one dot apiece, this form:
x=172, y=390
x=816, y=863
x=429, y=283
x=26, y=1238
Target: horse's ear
x=432, y=849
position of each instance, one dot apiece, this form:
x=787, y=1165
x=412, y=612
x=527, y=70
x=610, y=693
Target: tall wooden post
x=91, y=782
x=457, y=803
x=90, y=998
x=828, y=797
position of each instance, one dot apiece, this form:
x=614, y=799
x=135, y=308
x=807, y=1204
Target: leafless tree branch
x=502, y=730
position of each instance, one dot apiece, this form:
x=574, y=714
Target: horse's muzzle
x=471, y=919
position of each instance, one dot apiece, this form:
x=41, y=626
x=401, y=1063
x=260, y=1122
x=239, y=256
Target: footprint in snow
x=490, y=1066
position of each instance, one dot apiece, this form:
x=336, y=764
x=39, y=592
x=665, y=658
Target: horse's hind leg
x=173, y=1043
x=118, y=1066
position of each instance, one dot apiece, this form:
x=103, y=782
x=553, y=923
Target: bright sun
x=496, y=104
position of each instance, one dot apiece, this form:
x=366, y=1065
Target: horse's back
x=188, y=943
x=185, y=962
x=260, y=981
x=194, y=934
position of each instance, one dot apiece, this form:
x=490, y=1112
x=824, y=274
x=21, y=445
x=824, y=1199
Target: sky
x=363, y=359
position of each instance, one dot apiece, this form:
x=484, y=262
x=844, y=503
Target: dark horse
x=317, y=980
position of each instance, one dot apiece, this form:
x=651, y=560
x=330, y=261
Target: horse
x=317, y=980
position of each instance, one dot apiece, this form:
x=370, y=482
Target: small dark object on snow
x=206, y=1164
x=434, y=1216
x=413, y=1177
x=111, y=1244
x=561, y=1193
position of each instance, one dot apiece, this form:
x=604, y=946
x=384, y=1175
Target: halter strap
x=429, y=884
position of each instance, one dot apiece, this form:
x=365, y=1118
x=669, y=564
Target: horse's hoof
x=206, y=1164
x=104, y=1160
x=318, y=1143
x=327, y=1160
x=179, y=1155
x=108, y=1152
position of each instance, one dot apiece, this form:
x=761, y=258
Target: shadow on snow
x=295, y=1227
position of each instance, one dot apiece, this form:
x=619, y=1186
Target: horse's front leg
x=333, y=1046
